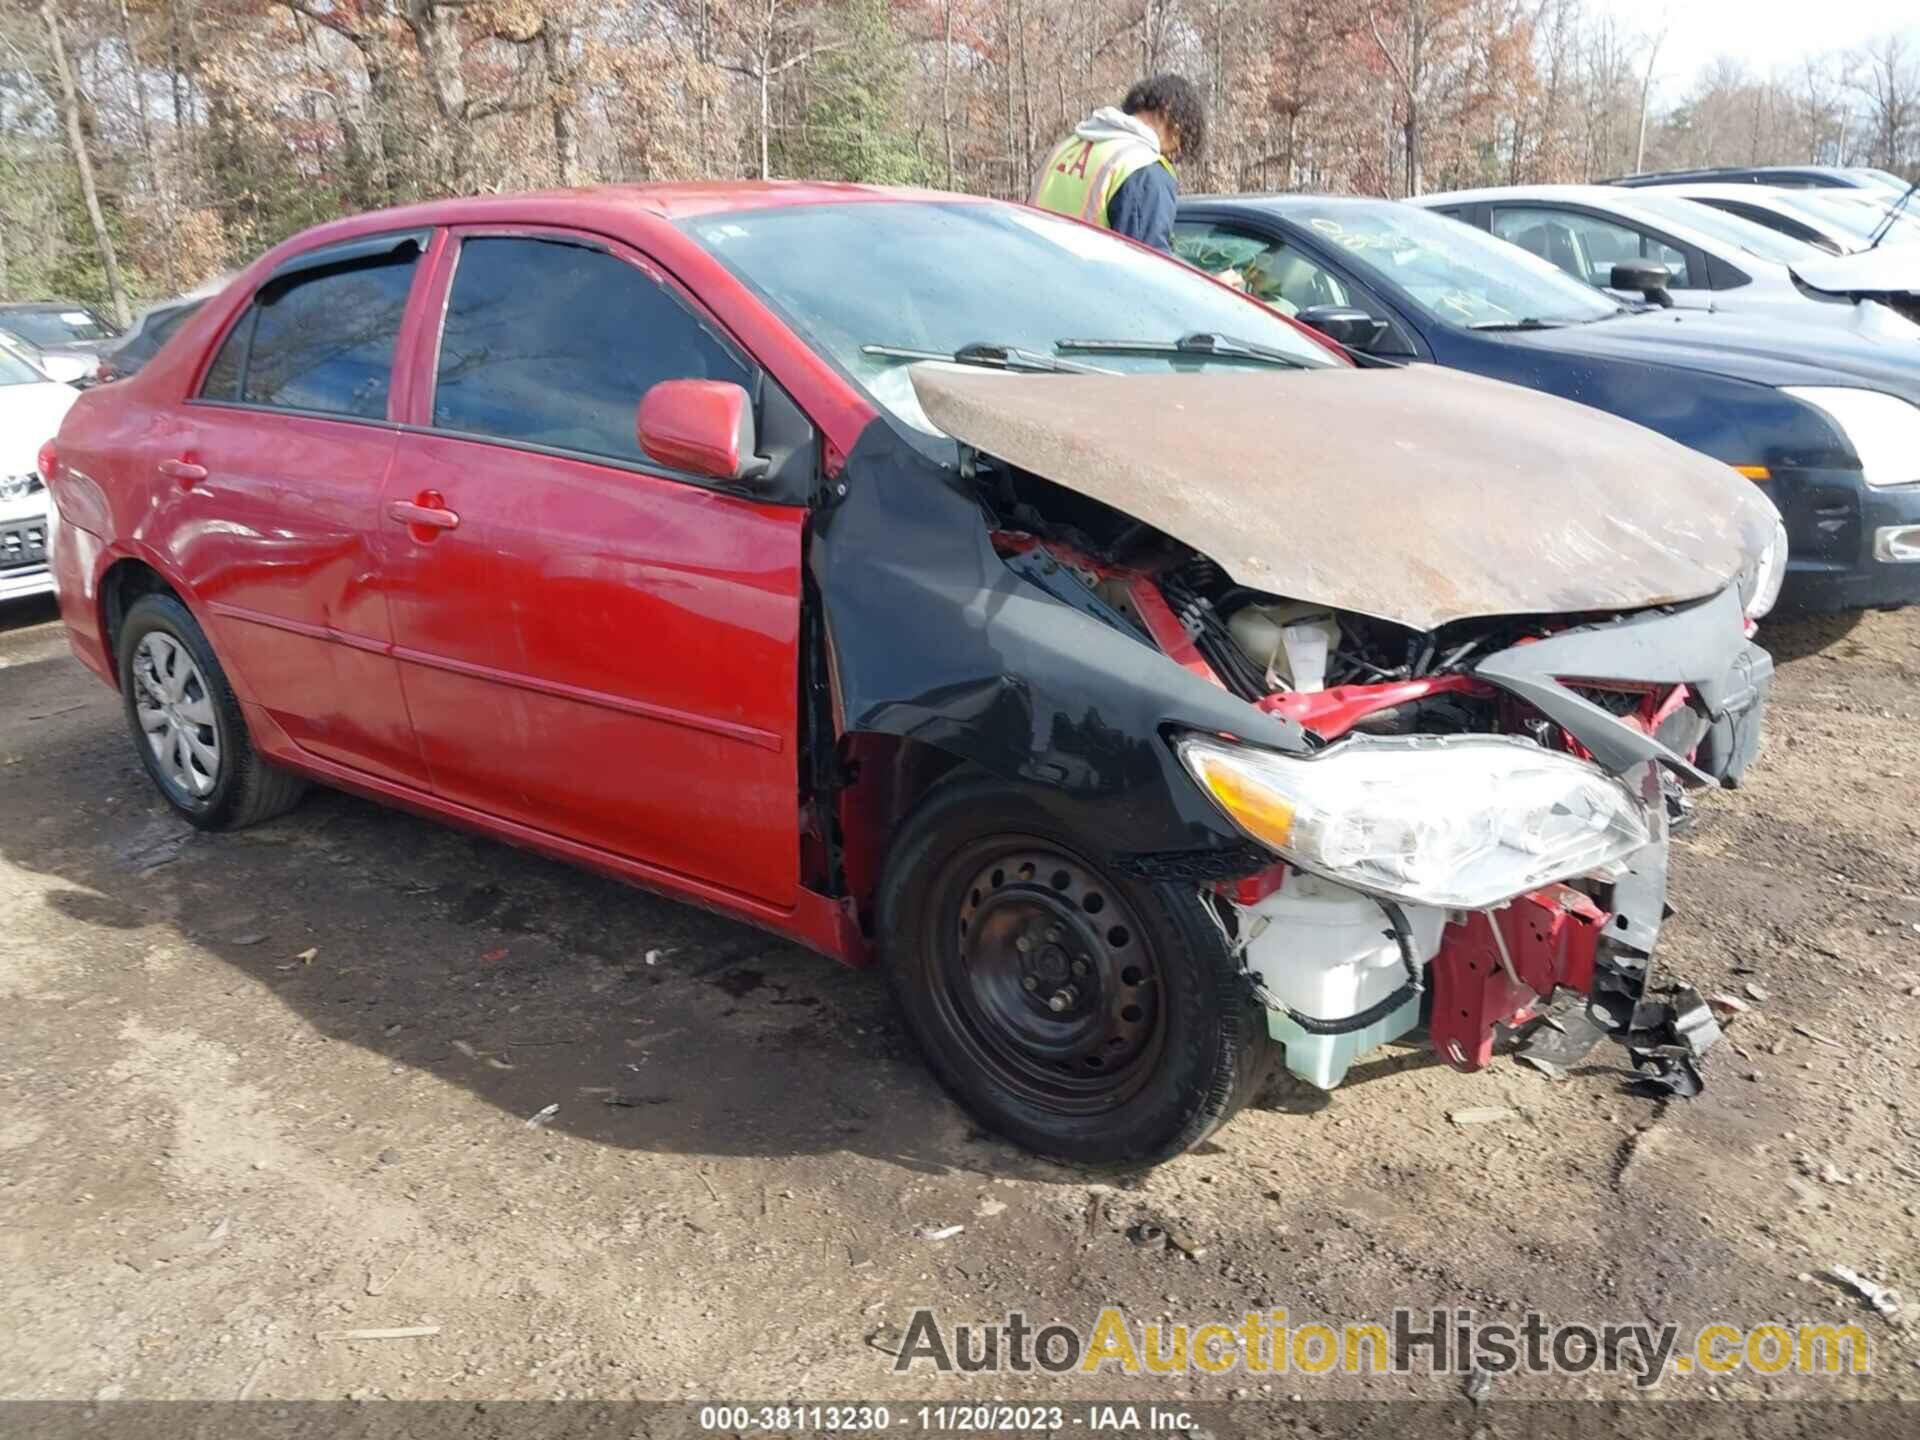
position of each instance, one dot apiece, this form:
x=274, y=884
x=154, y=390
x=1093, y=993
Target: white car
x=1715, y=260
x=1839, y=222
x=69, y=369
x=31, y=409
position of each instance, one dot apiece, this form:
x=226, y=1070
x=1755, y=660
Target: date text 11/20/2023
x=994, y=1418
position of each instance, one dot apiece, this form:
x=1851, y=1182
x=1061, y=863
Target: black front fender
x=933, y=638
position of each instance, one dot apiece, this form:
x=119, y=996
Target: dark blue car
x=1828, y=425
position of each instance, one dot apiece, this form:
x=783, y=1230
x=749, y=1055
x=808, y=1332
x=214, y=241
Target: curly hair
x=1174, y=99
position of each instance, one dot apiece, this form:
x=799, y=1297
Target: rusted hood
x=1418, y=495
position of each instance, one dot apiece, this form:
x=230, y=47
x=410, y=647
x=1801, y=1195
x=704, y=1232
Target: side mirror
x=704, y=427
x=1344, y=324
x=1646, y=277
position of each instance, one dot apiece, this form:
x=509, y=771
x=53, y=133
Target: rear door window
x=1587, y=247
x=320, y=341
x=553, y=343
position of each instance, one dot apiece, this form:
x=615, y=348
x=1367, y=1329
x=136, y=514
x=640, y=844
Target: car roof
x=1720, y=190
x=30, y=307
x=1841, y=175
x=1280, y=201
x=1588, y=194
x=614, y=208
x=667, y=201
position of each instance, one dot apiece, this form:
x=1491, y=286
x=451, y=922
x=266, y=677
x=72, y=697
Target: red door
x=588, y=644
x=268, y=502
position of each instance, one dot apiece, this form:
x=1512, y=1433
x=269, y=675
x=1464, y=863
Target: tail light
x=48, y=459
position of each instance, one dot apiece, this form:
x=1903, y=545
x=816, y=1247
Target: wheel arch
x=887, y=778
x=121, y=585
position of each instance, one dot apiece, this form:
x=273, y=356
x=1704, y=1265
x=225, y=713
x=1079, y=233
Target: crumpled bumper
x=1702, y=646
x=1587, y=962
x=1577, y=969
x=1665, y=1032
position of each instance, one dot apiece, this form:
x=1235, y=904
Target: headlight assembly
x=1882, y=429
x=1761, y=579
x=1462, y=822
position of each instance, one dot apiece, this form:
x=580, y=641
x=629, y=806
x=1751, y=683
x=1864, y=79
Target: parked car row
x=1156, y=677
x=1779, y=177
x=1821, y=412
x=48, y=350
x=1696, y=256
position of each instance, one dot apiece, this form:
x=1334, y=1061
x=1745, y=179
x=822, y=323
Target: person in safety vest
x=1116, y=169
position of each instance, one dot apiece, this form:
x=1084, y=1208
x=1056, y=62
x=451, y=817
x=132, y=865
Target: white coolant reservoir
x=1325, y=951
x=1291, y=641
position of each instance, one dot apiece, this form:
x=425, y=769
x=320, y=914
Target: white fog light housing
x=1882, y=429
x=1761, y=579
x=1897, y=544
x=1463, y=822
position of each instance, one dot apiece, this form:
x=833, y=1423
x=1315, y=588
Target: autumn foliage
x=216, y=127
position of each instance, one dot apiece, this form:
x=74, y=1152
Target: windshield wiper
x=994, y=357
x=1200, y=343
x=1892, y=216
x=1530, y=323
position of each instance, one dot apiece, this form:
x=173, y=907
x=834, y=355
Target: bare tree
x=755, y=61
x=83, y=165
x=1888, y=81
x=212, y=130
x=1410, y=59
x=556, y=48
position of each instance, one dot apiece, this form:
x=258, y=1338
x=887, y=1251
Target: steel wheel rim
x=174, y=709
x=1045, y=975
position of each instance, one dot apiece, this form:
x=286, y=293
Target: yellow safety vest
x=1081, y=175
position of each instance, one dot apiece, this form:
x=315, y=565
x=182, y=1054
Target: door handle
x=429, y=512
x=185, y=471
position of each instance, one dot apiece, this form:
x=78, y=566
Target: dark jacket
x=1142, y=208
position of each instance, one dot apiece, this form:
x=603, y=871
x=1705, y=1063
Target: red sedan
x=930, y=577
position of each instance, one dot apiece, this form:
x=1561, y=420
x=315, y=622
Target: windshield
x=1731, y=229
x=15, y=371
x=1880, y=179
x=56, y=327
x=933, y=277
x=1854, y=220
x=1452, y=271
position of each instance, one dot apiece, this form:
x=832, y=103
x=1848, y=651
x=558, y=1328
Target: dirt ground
x=261, y=1087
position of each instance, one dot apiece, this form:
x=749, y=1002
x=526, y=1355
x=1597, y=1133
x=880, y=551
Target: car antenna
x=1892, y=215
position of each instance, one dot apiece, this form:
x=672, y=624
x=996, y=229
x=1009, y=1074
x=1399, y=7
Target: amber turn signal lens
x=1261, y=813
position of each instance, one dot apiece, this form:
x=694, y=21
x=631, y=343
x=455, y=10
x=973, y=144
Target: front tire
x=1081, y=1013
x=186, y=723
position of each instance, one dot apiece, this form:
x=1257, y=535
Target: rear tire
x=1086, y=1015
x=186, y=723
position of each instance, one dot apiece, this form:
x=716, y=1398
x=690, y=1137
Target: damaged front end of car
x=1412, y=718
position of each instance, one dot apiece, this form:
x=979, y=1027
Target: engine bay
x=1332, y=671
x=1341, y=972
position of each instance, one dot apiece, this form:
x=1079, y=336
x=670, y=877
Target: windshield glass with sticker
x=1451, y=270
